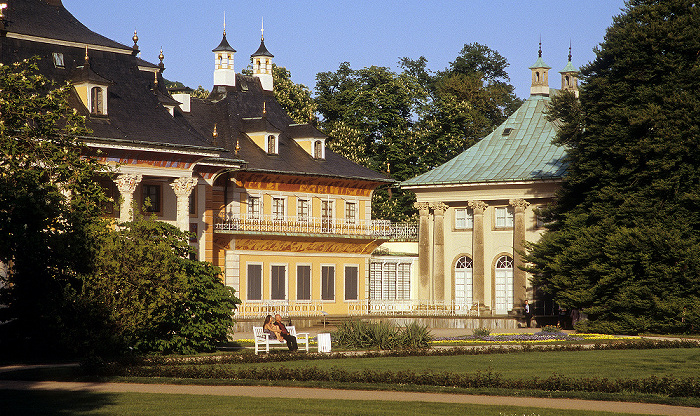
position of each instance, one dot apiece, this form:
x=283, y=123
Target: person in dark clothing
x=291, y=339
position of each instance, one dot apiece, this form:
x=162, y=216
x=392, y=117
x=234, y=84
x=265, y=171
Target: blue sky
x=308, y=37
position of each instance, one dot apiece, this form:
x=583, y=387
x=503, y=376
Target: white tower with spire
x=540, y=76
x=224, y=74
x=262, y=63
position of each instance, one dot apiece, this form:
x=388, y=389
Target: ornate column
x=519, y=275
x=183, y=189
x=479, y=267
x=127, y=183
x=423, y=251
x=439, y=251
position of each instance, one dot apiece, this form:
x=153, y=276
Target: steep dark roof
x=262, y=50
x=38, y=18
x=135, y=113
x=223, y=46
x=234, y=109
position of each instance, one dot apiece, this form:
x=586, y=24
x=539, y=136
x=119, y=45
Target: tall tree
x=368, y=114
x=467, y=100
x=49, y=204
x=624, y=239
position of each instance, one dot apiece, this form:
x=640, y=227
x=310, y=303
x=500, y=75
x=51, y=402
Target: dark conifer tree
x=624, y=239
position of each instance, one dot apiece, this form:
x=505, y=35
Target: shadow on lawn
x=52, y=402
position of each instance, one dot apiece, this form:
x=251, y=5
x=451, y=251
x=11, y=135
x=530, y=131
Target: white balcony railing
x=315, y=225
x=315, y=308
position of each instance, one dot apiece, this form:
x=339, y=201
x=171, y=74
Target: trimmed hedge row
x=282, y=356
x=670, y=386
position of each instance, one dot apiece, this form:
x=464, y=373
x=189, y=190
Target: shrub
x=551, y=329
x=482, y=332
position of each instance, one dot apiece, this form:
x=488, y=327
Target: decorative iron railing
x=316, y=225
x=306, y=309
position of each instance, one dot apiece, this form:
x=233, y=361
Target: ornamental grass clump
x=357, y=334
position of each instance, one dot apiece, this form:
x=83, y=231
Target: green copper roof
x=540, y=64
x=524, y=153
x=569, y=68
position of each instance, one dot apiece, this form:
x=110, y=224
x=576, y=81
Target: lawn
x=30, y=403
x=678, y=362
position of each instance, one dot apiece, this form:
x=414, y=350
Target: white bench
x=266, y=340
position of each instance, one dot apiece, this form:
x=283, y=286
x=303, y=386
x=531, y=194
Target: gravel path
x=323, y=394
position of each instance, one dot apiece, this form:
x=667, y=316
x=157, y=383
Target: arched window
x=318, y=149
x=568, y=82
x=537, y=77
x=97, y=104
x=504, y=285
x=463, y=283
x=271, y=145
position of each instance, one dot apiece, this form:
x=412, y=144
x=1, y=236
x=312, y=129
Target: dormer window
x=271, y=144
x=97, y=101
x=318, y=149
x=58, y=60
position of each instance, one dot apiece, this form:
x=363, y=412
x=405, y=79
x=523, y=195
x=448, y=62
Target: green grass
x=29, y=403
x=683, y=362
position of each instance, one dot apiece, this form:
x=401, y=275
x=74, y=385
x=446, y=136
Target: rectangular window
x=390, y=281
x=351, y=283
x=350, y=212
x=504, y=217
x=303, y=282
x=278, y=212
x=193, y=202
x=327, y=282
x=303, y=210
x=254, y=283
x=278, y=282
x=464, y=219
x=254, y=207
x=151, y=198
x=326, y=215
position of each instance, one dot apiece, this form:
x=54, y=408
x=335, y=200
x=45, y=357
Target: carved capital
x=478, y=206
x=439, y=208
x=519, y=204
x=422, y=207
x=183, y=186
x=127, y=183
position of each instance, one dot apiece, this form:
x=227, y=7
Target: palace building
x=478, y=209
x=287, y=220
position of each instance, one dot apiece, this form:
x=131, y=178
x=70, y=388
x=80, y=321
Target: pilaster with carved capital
x=439, y=208
x=423, y=250
x=519, y=275
x=478, y=206
x=519, y=204
x=478, y=250
x=126, y=184
x=183, y=188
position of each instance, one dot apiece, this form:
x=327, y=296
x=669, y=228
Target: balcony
x=305, y=226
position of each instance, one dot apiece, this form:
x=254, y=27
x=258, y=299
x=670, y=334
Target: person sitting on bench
x=270, y=328
x=291, y=339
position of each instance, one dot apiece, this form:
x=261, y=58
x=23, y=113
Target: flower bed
x=526, y=338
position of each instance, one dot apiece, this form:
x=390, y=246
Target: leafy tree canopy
x=410, y=122
x=49, y=203
x=624, y=242
x=154, y=297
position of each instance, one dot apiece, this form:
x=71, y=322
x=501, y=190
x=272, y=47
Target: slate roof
x=38, y=18
x=136, y=114
x=526, y=153
x=237, y=110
